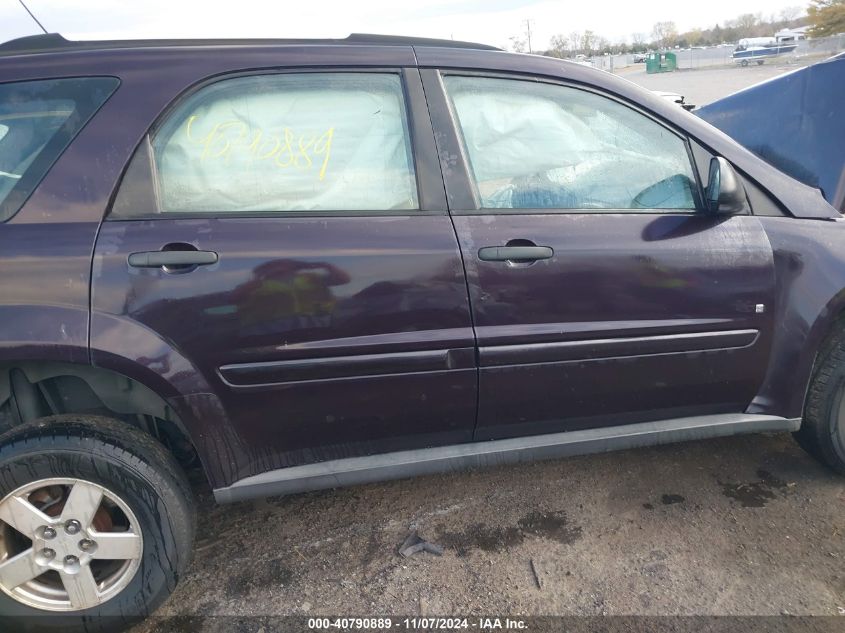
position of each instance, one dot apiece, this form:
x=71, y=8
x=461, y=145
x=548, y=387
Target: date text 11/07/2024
x=412, y=624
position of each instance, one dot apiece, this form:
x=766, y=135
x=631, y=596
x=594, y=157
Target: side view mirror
x=725, y=193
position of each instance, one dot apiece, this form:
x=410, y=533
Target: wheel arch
x=829, y=322
x=33, y=389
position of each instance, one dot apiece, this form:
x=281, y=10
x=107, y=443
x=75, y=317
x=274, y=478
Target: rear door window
x=287, y=142
x=38, y=120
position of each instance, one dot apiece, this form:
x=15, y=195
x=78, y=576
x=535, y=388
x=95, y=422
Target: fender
x=810, y=270
x=44, y=342
x=44, y=332
x=44, y=288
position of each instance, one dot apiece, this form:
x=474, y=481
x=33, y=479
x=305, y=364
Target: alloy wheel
x=66, y=544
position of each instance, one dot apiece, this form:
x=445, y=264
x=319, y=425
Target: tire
x=143, y=488
x=822, y=432
x=743, y=63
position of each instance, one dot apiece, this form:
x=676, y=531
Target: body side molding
x=246, y=375
x=402, y=464
x=593, y=349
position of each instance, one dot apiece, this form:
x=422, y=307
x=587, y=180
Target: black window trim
x=430, y=191
x=467, y=180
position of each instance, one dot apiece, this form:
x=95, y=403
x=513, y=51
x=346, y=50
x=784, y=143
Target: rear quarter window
x=38, y=120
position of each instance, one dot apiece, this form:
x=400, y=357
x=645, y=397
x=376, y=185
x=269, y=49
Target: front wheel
x=96, y=525
x=822, y=432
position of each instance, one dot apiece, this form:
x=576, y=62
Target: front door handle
x=157, y=259
x=514, y=253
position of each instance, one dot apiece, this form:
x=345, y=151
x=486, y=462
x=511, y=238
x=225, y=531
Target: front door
x=601, y=293
x=285, y=233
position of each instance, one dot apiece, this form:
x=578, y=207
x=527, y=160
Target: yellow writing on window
x=286, y=149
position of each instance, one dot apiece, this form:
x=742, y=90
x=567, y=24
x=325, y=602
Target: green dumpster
x=660, y=63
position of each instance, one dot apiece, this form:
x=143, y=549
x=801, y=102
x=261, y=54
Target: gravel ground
x=703, y=86
x=742, y=526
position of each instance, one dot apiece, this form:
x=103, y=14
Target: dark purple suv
x=307, y=264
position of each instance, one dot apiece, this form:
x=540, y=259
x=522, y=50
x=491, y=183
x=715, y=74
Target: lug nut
x=72, y=565
x=44, y=556
x=72, y=527
x=48, y=533
x=86, y=544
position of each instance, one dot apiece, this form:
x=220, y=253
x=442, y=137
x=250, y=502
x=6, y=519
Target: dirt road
x=741, y=526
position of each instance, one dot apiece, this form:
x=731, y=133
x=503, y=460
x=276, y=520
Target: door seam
x=463, y=262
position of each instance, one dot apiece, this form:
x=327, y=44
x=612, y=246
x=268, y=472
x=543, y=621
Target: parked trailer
x=759, y=49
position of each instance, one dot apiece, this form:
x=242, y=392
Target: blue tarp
x=796, y=122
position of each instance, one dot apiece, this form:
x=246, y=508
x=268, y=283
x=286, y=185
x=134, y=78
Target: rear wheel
x=743, y=63
x=822, y=432
x=96, y=525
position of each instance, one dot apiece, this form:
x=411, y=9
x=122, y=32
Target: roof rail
x=53, y=42
x=401, y=40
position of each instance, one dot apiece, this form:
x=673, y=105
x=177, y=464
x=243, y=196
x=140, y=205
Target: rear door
x=287, y=233
x=601, y=293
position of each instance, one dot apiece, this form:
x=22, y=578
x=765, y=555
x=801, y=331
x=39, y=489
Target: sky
x=485, y=21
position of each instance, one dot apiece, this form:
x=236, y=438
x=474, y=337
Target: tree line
x=825, y=17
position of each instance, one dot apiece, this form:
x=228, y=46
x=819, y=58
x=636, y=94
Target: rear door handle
x=514, y=253
x=157, y=259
